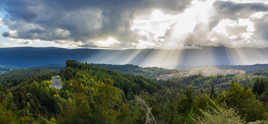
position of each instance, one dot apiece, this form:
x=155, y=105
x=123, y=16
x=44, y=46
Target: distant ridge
x=186, y=59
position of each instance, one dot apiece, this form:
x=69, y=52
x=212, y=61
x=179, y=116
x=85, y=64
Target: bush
x=220, y=116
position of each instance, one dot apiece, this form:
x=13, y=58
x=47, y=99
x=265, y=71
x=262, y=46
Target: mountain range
x=24, y=57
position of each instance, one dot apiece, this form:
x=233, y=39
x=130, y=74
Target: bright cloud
x=161, y=24
x=109, y=42
x=171, y=30
x=1, y=22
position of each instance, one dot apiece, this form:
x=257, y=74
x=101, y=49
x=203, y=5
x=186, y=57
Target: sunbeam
x=162, y=58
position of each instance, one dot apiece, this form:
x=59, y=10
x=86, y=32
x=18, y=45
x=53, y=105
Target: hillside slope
x=96, y=95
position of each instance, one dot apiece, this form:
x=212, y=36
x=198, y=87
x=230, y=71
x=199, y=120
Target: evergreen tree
x=212, y=93
x=259, y=87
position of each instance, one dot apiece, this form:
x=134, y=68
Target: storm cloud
x=79, y=20
x=86, y=21
x=252, y=14
x=234, y=10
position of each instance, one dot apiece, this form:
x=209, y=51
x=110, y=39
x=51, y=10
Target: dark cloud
x=262, y=27
x=79, y=20
x=66, y=21
x=234, y=11
x=5, y=34
x=239, y=10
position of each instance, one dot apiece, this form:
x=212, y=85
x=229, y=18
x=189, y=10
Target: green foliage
x=259, y=86
x=244, y=101
x=95, y=95
x=215, y=83
x=151, y=73
x=7, y=116
x=130, y=84
x=220, y=116
x=18, y=76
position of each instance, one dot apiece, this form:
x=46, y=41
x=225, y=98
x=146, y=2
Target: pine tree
x=259, y=87
x=212, y=93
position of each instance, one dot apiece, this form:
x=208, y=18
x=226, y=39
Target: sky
x=134, y=24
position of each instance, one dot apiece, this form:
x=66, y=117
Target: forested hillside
x=149, y=72
x=15, y=77
x=91, y=94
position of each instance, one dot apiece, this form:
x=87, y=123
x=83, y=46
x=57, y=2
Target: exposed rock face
x=57, y=82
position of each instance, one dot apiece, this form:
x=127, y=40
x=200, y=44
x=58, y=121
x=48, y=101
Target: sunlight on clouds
x=154, y=27
x=203, y=9
x=198, y=13
x=201, y=34
x=202, y=23
x=177, y=31
x=258, y=15
x=12, y=42
x=248, y=1
x=144, y=44
x=109, y=42
x=238, y=33
x=170, y=30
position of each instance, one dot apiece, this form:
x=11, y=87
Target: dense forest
x=148, y=72
x=93, y=94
